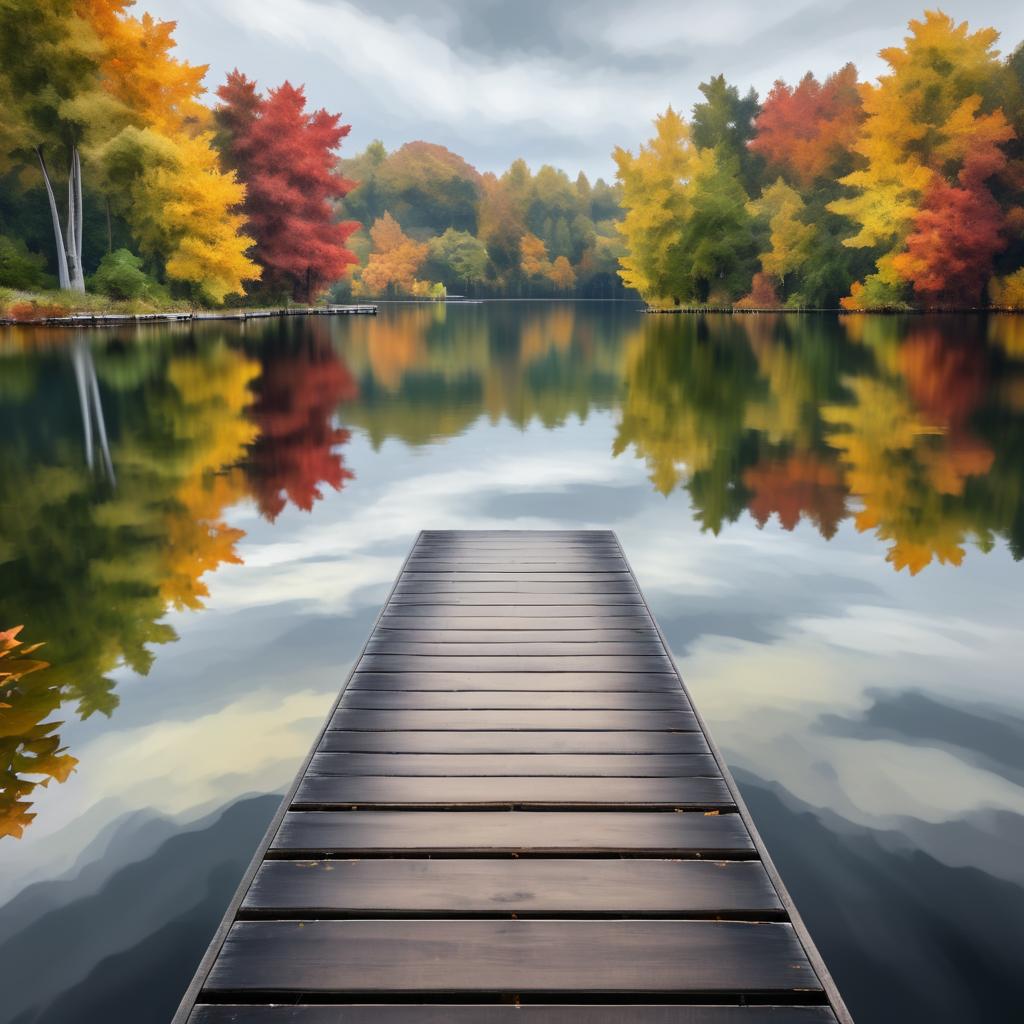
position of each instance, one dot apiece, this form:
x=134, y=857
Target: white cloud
x=420, y=71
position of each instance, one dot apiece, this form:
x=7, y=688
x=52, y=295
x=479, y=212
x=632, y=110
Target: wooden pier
x=513, y=814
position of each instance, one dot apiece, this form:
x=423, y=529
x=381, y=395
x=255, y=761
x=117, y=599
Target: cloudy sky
x=559, y=82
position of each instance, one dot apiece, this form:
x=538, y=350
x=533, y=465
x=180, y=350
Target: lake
x=200, y=522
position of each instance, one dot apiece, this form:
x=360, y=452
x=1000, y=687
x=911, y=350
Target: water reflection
x=911, y=426
x=796, y=494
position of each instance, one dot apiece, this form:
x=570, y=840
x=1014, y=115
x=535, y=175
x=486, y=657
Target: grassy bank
x=27, y=307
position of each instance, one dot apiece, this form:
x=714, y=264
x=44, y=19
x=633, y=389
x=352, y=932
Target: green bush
x=120, y=275
x=20, y=268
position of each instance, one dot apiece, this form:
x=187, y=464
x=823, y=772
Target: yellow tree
x=782, y=207
x=561, y=274
x=161, y=168
x=922, y=118
x=533, y=256
x=657, y=185
x=394, y=262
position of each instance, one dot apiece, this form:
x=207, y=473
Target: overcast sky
x=554, y=81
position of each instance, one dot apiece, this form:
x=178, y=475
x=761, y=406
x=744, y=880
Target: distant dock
x=119, y=319
x=513, y=815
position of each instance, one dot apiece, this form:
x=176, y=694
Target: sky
x=554, y=81
x=560, y=83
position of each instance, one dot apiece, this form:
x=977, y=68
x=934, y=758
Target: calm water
x=200, y=524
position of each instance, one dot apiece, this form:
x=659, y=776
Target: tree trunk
x=74, y=226
x=110, y=230
x=63, y=280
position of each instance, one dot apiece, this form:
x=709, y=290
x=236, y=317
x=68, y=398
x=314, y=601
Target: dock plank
x=513, y=814
x=463, y=956
x=638, y=766
x=503, y=720
x=524, y=741
x=447, y=791
x=664, y=888
x=520, y=832
x=525, y=1013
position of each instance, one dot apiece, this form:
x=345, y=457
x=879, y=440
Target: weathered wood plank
x=512, y=588
x=592, y=682
x=514, y=663
x=384, y=644
x=533, y=832
x=511, y=700
x=531, y=615
x=521, y=562
x=504, y=721
x=517, y=956
x=525, y=1013
x=510, y=635
x=496, y=624
x=507, y=582
x=517, y=603
x=631, y=765
x=456, y=887
x=521, y=742
x=535, y=791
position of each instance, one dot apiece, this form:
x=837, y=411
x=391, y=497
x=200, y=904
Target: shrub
x=120, y=275
x=20, y=268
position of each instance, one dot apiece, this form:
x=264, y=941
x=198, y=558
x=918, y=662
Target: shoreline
x=118, y=319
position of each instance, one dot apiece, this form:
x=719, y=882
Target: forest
x=905, y=192
x=168, y=195
x=124, y=182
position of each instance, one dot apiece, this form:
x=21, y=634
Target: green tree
x=456, y=258
x=724, y=121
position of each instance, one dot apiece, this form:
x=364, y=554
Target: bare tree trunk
x=63, y=280
x=74, y=225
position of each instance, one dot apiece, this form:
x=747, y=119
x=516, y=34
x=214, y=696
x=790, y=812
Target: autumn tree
x=657, y=196
x=806, y=132
x=394, y=262
x=429, y=188
x=956, y=235
x=790, y=239
x=714, y=256
x=925, y=116
x=53, y=105
x=286, y=157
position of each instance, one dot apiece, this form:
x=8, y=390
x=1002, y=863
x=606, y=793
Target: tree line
x=907, y=191
x=118, y=176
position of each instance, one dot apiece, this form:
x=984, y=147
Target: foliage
x=120, y=275
x=20, y=268
x=394, y=262
x=875, y=195
x=657, y=195
x=284, y=155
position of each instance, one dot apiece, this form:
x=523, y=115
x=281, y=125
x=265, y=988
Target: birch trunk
x=63, y=280
x=74, y=225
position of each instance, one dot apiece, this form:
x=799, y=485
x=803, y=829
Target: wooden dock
x=513, y=813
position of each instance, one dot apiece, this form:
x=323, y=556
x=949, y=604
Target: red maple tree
x=286, y=157
x=957, y=233
x=803, y=132
x=295, y=451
